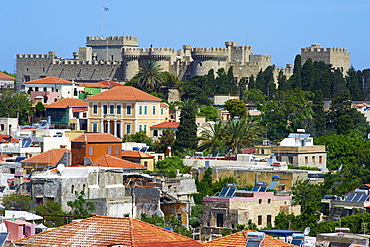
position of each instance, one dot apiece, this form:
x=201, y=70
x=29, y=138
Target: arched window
x=72, y=189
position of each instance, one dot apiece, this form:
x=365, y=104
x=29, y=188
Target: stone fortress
x=119, y=58
x=338, y=57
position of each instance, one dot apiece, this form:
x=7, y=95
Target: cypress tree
x=295, y=79
x=186, y=135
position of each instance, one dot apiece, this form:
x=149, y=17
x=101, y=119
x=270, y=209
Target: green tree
x=242, y=133
x=80, y=207
x=295, y=80
x=18, y=202
x=149, y=78
x=355, y=84
x=15, y=104
x=40, y=109
x=209, y=112
x=139, y=137
x=197, y=89
x=236, y=108
x=170, y=166
x=51, y=207
x=166, y=140
x=214, y=138
x=283, y=82
x=167, y=221
x=186, y=135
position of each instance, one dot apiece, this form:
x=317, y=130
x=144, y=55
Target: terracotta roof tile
x=239, y=239
x=106, y=231
x=4, y=76
x=165, y=125
x=164, y=104
x=5, y=139
x=111, y=161
x=126, y=93
x=64, y=103
x=136, y=154
x=50, y=157
x=102, y=84
x=96, y=137
x=49, y=80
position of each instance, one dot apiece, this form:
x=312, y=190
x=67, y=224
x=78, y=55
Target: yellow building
x=125, y=110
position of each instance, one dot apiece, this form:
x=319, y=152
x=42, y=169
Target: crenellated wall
x=338, y=57
x=119, y=58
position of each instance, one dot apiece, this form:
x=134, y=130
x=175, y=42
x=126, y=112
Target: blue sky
x=278, y=28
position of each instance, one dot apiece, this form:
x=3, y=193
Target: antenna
x=306, y=231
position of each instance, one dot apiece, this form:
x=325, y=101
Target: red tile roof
x=4, y=76
x=164, y=105
x=102, y=84
x=106, y=231
x=5, y=139
x=49, y=80
x=136, y=154
x=126, y=93
x=51, y=157
x=96, y=137
x=111, y=161
x=239, y=239
x=165, y=125
x=64, y=103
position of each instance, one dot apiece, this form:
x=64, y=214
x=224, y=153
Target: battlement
x=33, y=56
x=208, y=51
x=112, y=41
x=319, y=49
x=79, y=62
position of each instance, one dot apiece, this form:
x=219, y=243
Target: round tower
x=206, y=59
x=130, y=62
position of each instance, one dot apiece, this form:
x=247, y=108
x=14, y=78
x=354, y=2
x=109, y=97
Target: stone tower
x=338, y=57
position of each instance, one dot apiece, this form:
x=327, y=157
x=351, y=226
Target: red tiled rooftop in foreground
x=64, y=103
x=106, y=231
x=136, y=154
x=165, y=125
x=124, y=93
x=50, y=80
x=239, y=239
x=50, y=157
x=102, y=84
x=111, y=161
x=4, y=76
x=96, y=137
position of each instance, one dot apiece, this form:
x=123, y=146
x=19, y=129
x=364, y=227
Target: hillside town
x=129, y=146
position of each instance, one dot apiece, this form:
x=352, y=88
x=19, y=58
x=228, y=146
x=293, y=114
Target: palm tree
x=213, y=137
x=149, y=77
x=242, y=132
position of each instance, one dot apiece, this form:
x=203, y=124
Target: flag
x=105, y=8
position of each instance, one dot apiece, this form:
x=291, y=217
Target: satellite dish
x=61, y=167
x=306, y=231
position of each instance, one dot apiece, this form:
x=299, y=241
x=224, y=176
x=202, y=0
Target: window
x=313, y=159
x=145, y=126
x=262, y=151
x=145, y=110
x=154, y=110
x=2, y=127
x=146, y=163
x=155, y=133
x=36, y=89
x=268, y=200
x=26, y=78
x=259, y=220
x=94, y=127
x=117, y=149
x=45, y=89
x=306, y=160
x=109, y=149
x=111, y=109
x=259, y=201
x=128, y=129
x=91, y=150
x=105, y=109
x=162, y=111
x=128, y=110
x=220, y=220
x=84, y=187
x=72, y=189
x=118, y=109
x=141, y=110
x=268, y=219
x=290, y=159
x=320, y=159
x=140, y=127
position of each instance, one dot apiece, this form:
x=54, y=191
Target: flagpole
x=102, y=22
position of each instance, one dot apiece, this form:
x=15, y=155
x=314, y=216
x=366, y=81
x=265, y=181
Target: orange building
x=90, y=147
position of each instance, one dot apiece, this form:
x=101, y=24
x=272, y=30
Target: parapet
x=112, y=41
x=32, y=56
x=318, y=48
